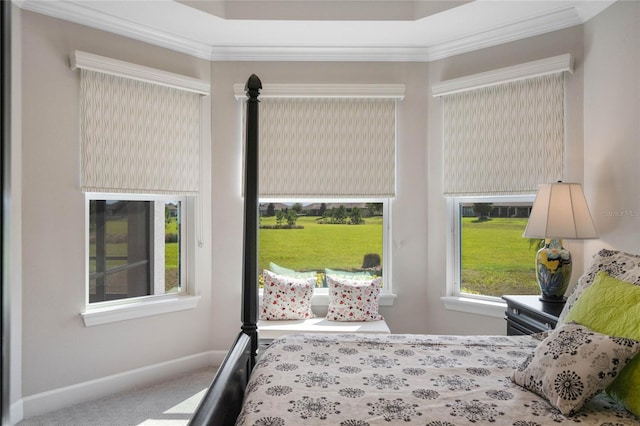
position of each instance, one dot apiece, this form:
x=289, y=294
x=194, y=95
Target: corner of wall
x=15, y=219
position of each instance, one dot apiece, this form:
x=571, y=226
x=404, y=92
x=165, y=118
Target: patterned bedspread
x=370, y=379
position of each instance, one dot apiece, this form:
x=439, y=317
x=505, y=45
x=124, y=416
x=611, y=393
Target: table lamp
x=559, y=212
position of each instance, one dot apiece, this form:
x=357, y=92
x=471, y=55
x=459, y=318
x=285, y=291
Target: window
x=346, y=236
x=135, y=248
x=144, y=147
x=324, y=149
x=503, y=135
x=491, y=258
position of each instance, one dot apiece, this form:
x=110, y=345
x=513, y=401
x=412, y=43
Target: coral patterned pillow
x=286, y=298
x=353, y=300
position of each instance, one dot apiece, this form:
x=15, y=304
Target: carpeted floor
x=165, y=404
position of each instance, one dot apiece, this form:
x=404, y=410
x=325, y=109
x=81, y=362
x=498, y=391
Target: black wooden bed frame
x=222, y=402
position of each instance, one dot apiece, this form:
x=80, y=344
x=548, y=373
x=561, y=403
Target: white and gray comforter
x=371, y=379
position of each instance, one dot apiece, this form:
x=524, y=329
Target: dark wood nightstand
x=528, y=314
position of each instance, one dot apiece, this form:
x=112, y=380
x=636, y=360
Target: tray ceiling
x=323, y=30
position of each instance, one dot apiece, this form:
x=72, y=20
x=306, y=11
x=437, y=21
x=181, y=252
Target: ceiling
x=323, y=30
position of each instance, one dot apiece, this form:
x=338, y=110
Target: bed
x=556, y=377
x=405, y=379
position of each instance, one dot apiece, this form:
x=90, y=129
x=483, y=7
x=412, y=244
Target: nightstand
x=528, y=314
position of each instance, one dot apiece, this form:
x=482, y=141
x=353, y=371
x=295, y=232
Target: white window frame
x=192, y=209
x=138, y=307
x=321, y=295
x=394, y=91
x=455, y=299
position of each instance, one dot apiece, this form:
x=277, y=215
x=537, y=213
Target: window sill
x=475, y=306
x=138, y=309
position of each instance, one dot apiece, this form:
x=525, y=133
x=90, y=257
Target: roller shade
x=504, y=139
x=327, y=147
x=138, y=137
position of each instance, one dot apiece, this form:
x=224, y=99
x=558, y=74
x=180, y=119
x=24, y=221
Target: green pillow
x=611, y=306
x=281, y=270
x=358, y=275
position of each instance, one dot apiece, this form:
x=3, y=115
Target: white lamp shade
x=560, y=211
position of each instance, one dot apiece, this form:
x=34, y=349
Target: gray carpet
x=164, y=404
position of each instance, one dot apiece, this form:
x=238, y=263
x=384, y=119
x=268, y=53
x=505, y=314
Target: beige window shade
x=138, y=137
x=504, y=139
x=327, y=147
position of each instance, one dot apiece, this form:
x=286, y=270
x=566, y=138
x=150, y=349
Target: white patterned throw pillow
x=286, y=298
x=353, y=299
x=573, y=364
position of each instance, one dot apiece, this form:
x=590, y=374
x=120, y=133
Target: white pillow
x=573, y=364
x=286, y=298
x=353, y=300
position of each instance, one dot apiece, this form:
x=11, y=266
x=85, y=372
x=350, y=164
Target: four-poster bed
x=358, y=379
x=223, y=401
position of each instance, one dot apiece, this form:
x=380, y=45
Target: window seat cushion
x=271, y=329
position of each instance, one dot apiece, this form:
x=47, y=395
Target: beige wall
x=14, y=219
x=612, y=126
x=440, y=320
x=409, y=207
x=419, y=216
x=57, y=350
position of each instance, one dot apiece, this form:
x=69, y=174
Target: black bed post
x=250, y=261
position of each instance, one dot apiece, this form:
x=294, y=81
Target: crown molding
x=389, y=91
x=319, y=54
x=565, y=15
x=79, y=13
x=559, y=19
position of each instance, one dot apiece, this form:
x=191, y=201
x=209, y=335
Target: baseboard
x=16, y=412
x=44, y=402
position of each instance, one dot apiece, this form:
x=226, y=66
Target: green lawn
x=171, y=249
x=497, y=260
x=319, y=246
x=171, y=258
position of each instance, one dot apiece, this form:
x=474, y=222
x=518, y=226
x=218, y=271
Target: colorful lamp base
x=553, y=271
